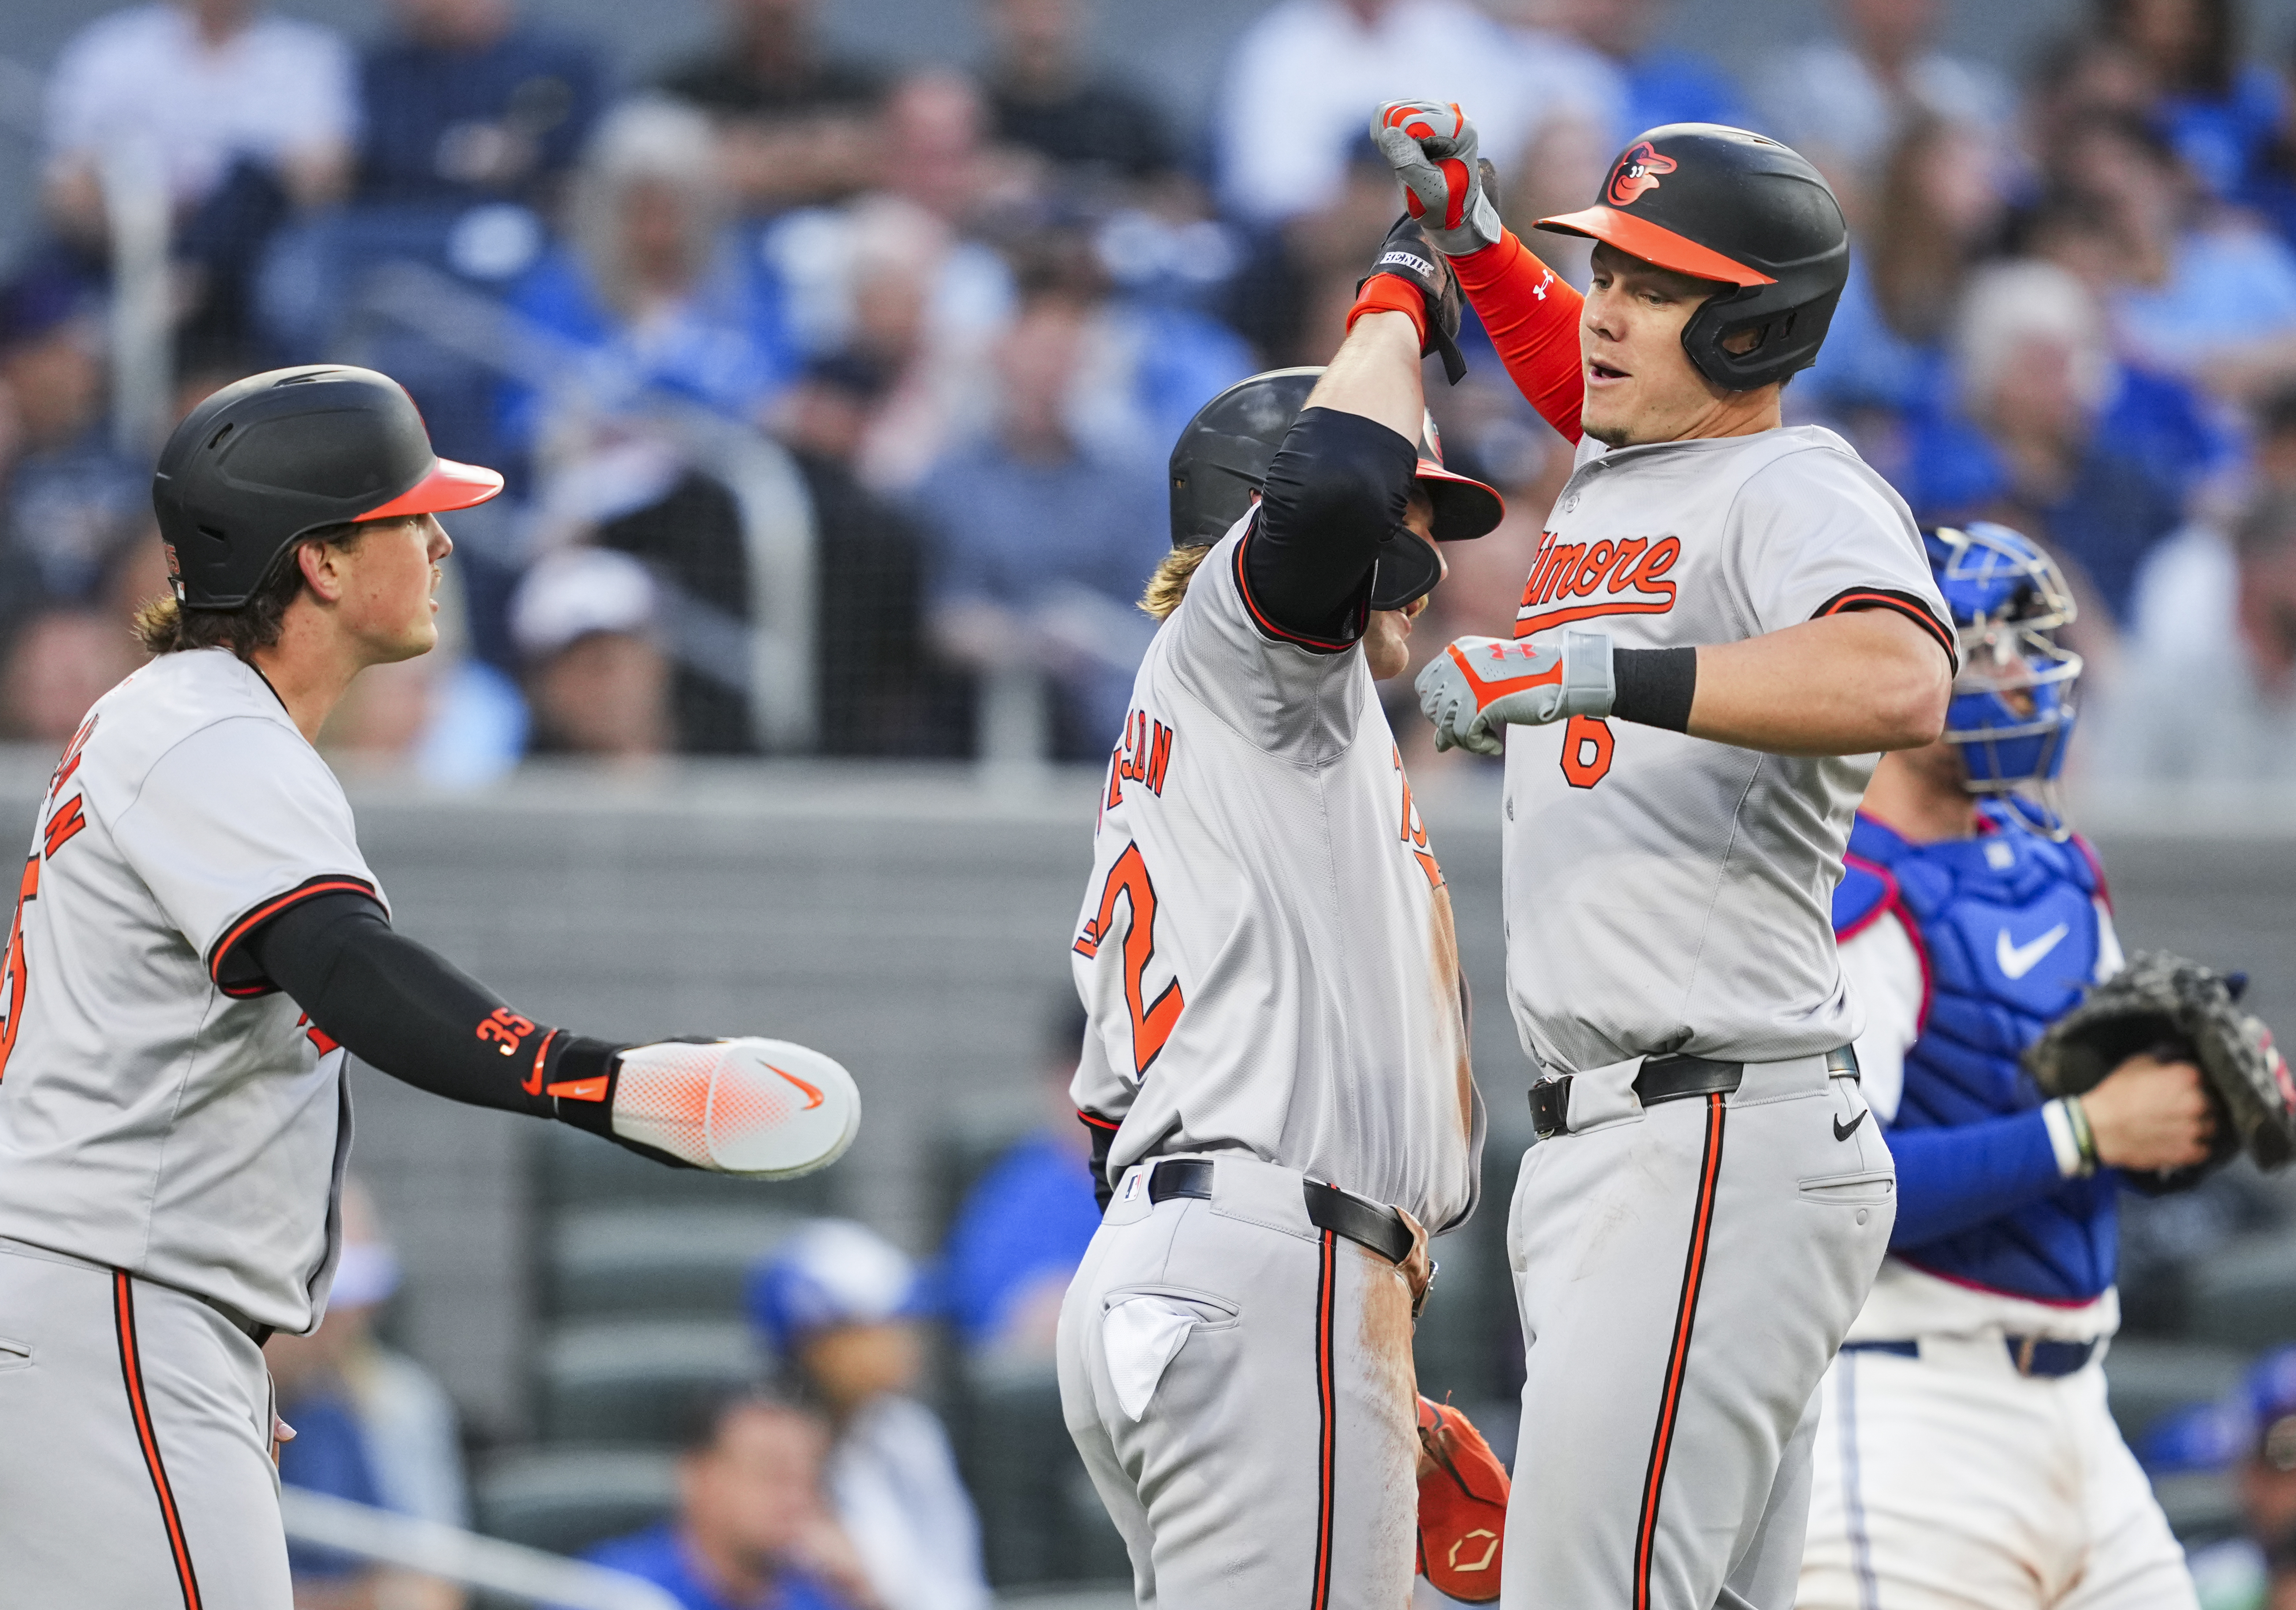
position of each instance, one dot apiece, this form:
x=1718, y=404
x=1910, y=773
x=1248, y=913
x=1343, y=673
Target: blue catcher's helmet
x=2012, y=704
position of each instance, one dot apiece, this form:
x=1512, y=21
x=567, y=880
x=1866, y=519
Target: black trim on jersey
x=1908, y=604
x=267, y=688
x=232, y=954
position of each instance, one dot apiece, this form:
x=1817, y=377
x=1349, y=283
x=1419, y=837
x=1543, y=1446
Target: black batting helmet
x=275, y=456
x=1222, y=458
x=1723, y=204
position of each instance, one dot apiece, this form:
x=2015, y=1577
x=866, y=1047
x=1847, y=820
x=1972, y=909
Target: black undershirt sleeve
x=1336, y=492
x=402, y=1008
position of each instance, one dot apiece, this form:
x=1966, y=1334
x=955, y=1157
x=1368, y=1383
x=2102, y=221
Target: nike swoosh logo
x=2018, y=960
x=813, y=1096
x=1842, y=1132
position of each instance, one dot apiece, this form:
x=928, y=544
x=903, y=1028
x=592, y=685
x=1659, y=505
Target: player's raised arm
x=1340, y=473
x=1339, y=494
x=1530, y=313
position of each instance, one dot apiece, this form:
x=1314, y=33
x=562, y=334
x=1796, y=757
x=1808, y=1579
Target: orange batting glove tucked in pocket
x=1462, y=1499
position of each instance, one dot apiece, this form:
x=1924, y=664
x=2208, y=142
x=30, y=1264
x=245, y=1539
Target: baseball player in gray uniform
x=1276, y=1068
x=1725, y=622
x=197, y=944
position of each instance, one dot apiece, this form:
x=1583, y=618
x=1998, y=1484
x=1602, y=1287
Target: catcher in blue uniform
x=2025, y=1072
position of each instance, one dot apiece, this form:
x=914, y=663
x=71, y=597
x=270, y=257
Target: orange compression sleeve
x=1532, y=315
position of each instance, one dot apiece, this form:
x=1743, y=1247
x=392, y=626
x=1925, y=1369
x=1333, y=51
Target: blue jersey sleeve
x=1954, y=1179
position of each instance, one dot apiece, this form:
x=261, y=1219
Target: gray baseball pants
x=1684, y=1272
x=136, y=1467
x=1241, y=1385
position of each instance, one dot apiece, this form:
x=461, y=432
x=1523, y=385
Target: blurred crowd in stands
x=833, y=394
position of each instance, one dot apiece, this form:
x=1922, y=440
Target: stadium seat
x=656, y=1262
x=2147, y=1378
x=2244, y=1296
x=565, y=1500
x=637, y=1383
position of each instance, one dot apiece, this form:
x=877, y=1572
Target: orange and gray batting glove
x=1431, y=144
x=1478, y=684
x=1462, y=1502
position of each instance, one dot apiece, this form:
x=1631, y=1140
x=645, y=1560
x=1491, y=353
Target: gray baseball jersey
x=162, y=1110
x=1664, y=892
x=1265, y=949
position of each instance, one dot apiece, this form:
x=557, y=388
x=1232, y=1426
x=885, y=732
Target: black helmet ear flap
x=1407, y=570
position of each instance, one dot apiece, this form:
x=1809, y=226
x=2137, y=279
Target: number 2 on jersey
x=12, y=964
x=1151, y=1024
x=60, y=827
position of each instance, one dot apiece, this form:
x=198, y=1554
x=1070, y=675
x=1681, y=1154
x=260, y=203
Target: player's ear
x=322, y=572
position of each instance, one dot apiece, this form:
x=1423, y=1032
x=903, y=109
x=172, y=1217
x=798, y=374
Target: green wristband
x=2084, y=1137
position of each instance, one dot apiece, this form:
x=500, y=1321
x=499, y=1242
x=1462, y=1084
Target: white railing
x=142, y=349
x=434, y=1549
x=777, y=528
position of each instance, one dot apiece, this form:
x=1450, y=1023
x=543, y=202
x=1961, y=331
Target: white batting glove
x=1478, y=684
x=766, y=1108
x=1431, y=145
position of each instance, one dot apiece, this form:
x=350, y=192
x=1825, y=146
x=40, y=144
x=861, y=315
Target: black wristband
x=577, y=1061
x=1654, y=686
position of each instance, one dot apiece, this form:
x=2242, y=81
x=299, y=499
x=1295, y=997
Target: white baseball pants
x=1241, y=1385
x=1684, y=1272
x=136, y=1467
x=1950, y=1482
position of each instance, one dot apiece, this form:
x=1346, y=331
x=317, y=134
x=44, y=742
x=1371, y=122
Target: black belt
x=2038, y=1356
x=253, y=1332
x=1342, y=1213
x=1665, y=1079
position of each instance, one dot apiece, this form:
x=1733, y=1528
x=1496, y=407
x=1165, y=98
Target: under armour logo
x=1539, y=290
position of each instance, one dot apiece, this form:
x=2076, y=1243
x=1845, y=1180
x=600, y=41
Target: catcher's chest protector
x=2010, y=934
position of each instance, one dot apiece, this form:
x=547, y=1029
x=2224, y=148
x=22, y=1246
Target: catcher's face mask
x=2013, y=708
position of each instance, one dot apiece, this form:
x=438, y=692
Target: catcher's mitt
x=1462, y=1506
x=2172, y=1007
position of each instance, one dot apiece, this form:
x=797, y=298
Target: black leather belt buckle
x=1550, y=1106
x=1366, y=1223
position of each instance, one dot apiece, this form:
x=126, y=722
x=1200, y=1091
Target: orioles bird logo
x=1636, y=172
